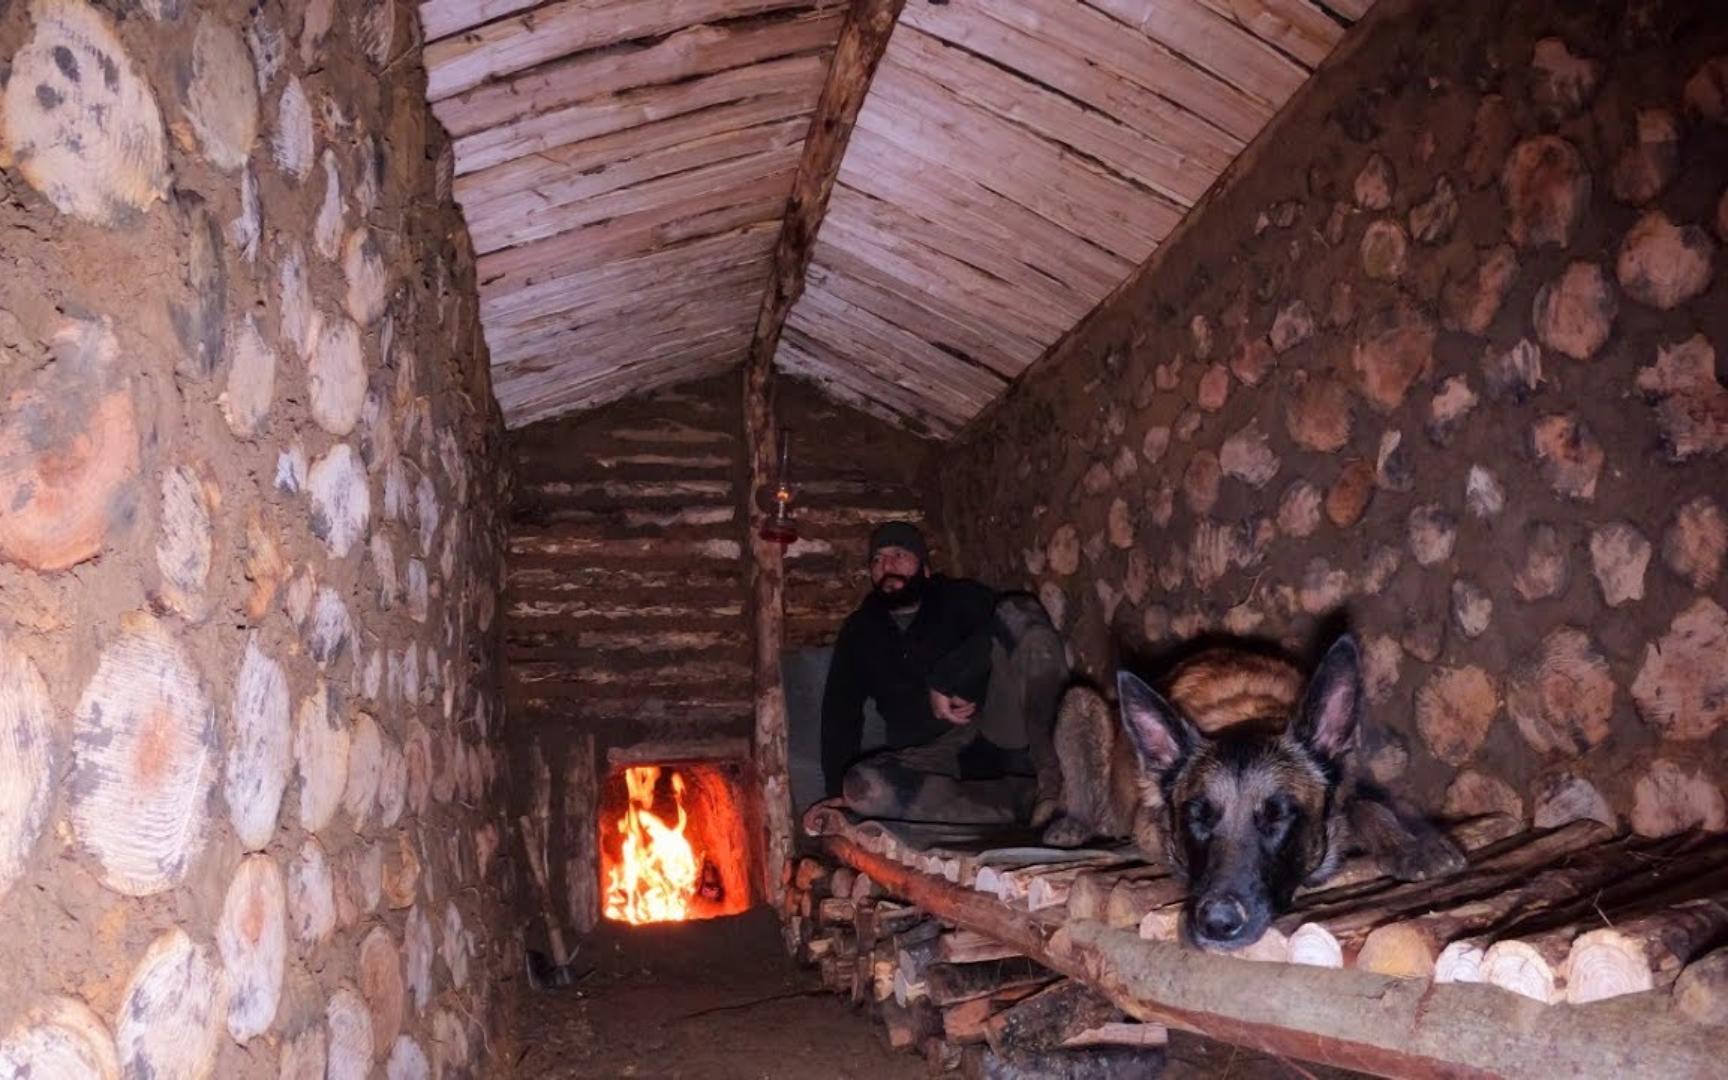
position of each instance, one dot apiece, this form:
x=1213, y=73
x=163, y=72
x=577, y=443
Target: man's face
x=892, y=568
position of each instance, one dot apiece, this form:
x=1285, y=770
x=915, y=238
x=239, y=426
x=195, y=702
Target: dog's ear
x=1331, y=710
x=1160, y=734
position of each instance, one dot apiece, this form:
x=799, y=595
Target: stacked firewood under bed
x=1574, y=951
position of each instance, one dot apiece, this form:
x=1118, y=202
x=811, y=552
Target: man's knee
x=872, y=788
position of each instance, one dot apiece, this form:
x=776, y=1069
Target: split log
x=312, y=895
x=1133, y=898
x=304, y=1057
x=1460, y=962
x=368, y=280
x=407, y=1061
x=1051, y=889
x=336, y=377
x=795, y=935
x=93, y=146
x=1701, y=991
x=1270, y=947
x=265, y=567
x=456, y=947
x=417, y=944
x=365, y=767
x=811, y=873
x=883, y=969
x=1533, y=967
x=61, y=1038
x=1642, y=954
x=896, y=919
x=950, y=984
x=1162, y=923
x=321, y=743
x=1049, y=1017
x=170, y=1019
x=401, y=874
x=341, y=500
x=144, y=750
x=1120, y=1034
x=27, y=724
x=909, y=1025
x=392, y=783
x=351, y=1041
x=836, y=974
x=1089, y=894
x=840, y=882
x=252, y=937
x=365, y=876
x=328, y=637
x=69, y=446
x=966, y=947
x=259, y=749
x=1314, y=945
x=381, y=986
x=183, y=550
x=220, y=95
x=965, y=1023
x=293, y=142
x=417, y=750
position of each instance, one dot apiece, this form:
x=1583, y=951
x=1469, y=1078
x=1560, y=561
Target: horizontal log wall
x=1442, y=355
x=251, y=544
x=624, y=607
x=850, y=471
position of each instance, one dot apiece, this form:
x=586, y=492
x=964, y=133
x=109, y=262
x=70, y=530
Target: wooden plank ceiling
x=624, y=167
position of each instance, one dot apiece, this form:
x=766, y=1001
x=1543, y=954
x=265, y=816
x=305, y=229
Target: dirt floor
x=719, y=1000
x=716, y=1000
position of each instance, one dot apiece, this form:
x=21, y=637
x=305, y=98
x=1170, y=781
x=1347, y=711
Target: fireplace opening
x=673, y=843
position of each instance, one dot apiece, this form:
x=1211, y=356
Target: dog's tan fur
x=1218, y=688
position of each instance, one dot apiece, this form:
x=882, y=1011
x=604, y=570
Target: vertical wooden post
x=767, y=581
x=862, y=42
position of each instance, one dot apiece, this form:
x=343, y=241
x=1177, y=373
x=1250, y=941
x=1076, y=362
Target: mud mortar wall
x=250, y=552
x=1445, y=356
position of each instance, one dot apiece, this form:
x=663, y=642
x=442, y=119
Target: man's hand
x=952, y=709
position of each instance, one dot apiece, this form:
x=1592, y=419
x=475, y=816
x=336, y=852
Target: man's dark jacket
x=946, y=647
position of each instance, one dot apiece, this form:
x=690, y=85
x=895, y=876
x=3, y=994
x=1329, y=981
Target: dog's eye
x=1199, y=816
x=1275, y=815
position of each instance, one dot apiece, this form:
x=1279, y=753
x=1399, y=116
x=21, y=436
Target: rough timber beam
x=862, y=42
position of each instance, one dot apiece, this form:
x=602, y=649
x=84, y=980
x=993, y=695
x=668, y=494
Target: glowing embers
x=673, y=844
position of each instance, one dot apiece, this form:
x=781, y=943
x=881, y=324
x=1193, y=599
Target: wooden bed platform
x=1574, y=951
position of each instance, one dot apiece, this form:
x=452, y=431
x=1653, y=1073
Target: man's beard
x=909, y=595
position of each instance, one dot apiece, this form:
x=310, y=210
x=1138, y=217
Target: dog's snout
x=1220, y=920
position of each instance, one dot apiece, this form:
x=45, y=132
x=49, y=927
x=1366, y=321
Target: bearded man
x=967, y=683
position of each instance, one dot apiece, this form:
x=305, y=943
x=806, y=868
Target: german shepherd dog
x=1241, y=780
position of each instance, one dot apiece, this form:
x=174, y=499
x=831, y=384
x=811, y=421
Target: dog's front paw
x=1426, y=857
x=1067, y=832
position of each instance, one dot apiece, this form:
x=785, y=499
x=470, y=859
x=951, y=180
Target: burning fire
x=657, y=873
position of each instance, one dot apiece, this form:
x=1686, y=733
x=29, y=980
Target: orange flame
x=656, y=873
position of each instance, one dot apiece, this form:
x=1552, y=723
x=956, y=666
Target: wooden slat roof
x=624, y=166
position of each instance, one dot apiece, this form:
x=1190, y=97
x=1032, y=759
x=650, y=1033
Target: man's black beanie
x=900, y=534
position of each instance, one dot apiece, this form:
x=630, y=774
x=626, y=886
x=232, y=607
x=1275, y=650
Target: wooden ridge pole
x=1349, y=1019
x=863, y=39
